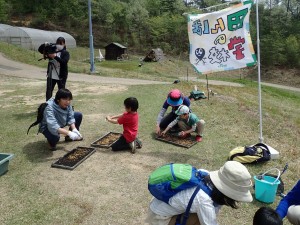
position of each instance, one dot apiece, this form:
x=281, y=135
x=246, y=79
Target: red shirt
x=130, y=122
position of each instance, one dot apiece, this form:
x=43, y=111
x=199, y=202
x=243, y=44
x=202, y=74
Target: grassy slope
x=32, y=193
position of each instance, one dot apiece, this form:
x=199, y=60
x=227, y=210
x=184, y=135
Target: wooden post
x=207, y=87
x=187, y=74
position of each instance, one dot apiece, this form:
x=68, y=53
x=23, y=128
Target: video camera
x=48, y=48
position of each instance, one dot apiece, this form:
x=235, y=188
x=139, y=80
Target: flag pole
x=261, y=139
x=274, y=152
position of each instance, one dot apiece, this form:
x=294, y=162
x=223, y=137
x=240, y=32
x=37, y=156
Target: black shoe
x=139, y=144
x=68, y=139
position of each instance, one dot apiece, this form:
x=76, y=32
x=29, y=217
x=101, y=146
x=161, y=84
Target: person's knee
x=293, y=215
x=201, y=122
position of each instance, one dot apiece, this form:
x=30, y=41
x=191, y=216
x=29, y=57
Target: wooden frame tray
x=73, y=158
x=106, y=143
x=175, y=140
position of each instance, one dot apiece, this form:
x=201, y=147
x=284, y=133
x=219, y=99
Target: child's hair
x=218, y=197
x=131, y=103
x=63, y=93
x=266, y=216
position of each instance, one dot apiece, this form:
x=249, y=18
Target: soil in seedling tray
x=107, y=140
x=175, y=140
x=73, y=158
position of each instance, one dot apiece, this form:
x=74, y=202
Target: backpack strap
x=201, y=186
x=187, y=211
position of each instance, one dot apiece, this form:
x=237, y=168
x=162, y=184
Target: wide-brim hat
x=233, y=180
x=175, y=98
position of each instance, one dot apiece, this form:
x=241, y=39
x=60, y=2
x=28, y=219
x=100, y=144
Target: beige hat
x=233, y=180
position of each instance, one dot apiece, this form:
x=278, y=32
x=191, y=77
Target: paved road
x=17, y=69
x=13, y=68
x=225, y=83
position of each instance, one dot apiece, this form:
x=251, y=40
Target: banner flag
x=221, y=40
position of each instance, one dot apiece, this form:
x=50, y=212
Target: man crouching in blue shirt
x=58, y=114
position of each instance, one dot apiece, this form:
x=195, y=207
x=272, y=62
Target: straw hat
x=233, y=180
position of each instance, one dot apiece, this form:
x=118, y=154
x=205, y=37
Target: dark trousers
x=50, y=86
x=167, y=120
x=53, y=139
x=120, y=144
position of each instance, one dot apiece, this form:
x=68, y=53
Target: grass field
x=111, y=188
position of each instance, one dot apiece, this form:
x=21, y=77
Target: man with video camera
x=57, y=70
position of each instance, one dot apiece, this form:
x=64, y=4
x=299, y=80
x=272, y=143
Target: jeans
x=50, y=86
x=53, y=139
x=167, y=120
x=120, y=144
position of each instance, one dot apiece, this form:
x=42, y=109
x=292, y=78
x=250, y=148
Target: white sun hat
x=233, y=180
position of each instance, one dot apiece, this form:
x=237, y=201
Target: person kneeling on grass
x=188, y=122
x=58, y=114
x=266, y=216
x=227, y=186
x=130, y=122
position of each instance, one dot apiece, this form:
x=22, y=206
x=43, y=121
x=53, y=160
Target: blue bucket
x=266, y=187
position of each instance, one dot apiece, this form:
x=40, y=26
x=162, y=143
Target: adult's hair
x=63, y=93
x=266, y=216
x=60, y=41
x=131, y=103
x=218, y=197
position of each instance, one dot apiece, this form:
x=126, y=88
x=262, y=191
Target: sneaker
x=68, y=139
x=139, y=144
x=198, y=138
x=132, y=147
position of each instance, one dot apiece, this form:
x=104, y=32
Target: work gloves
x=74, y=135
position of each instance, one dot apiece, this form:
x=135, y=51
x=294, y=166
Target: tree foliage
x=145, y=24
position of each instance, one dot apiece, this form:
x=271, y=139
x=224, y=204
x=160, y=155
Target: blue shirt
x=55, y=117
x=292, y=198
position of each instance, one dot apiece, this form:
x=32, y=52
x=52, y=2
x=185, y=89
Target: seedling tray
x=107, y=140
x=175, y=140
x=73, y=158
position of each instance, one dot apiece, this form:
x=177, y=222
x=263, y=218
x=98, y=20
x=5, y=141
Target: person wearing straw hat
x=174, y=99
x=289, y=206
x=229, y=185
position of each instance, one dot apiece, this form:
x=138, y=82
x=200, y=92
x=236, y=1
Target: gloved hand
x=73, y=136
x=77, y=132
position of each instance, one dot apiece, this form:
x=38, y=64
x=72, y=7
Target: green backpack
x=168, y=180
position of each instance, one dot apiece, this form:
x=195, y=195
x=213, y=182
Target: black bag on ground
x=250, y=154
x=40, y=115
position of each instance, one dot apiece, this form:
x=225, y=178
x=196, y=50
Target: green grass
x=111, y=188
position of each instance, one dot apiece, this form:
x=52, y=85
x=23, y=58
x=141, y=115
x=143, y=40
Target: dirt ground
x=90, y=193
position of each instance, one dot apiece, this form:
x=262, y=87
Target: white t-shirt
x=202, y=205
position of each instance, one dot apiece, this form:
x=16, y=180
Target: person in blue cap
x=174, y=99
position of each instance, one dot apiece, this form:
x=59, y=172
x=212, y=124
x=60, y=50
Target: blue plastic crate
x=4, y=161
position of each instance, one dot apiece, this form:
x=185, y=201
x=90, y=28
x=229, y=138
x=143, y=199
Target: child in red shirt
x=130, y=121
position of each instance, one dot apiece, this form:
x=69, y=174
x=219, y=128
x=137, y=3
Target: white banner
x=221, y=40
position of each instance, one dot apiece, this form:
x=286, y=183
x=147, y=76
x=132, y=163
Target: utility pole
x=92, y=69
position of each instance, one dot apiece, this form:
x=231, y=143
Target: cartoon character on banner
x=200, y=53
